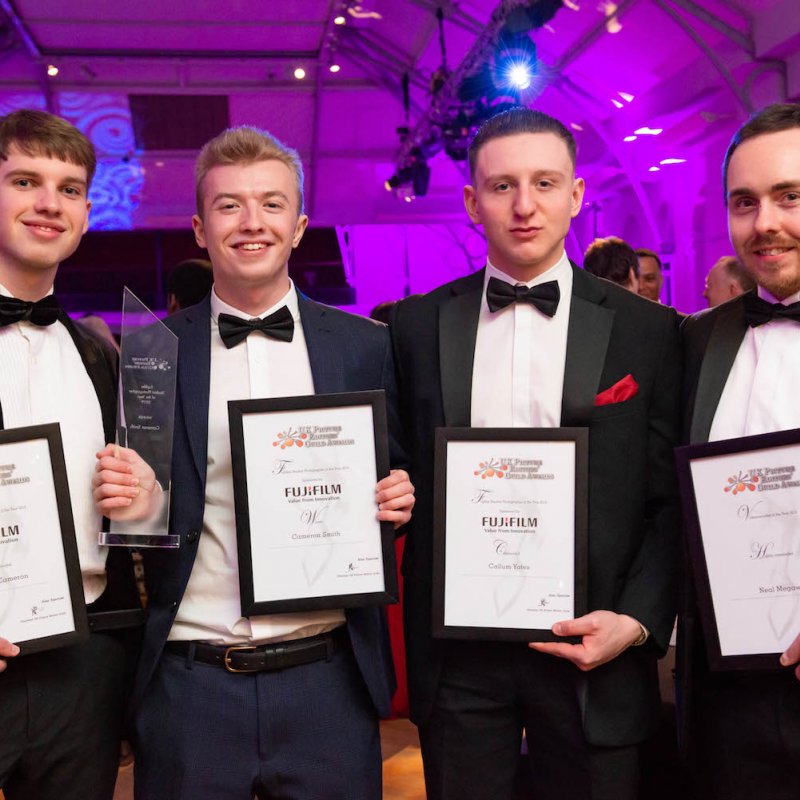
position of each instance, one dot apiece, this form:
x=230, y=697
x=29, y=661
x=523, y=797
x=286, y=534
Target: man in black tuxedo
x=62, y=709
x=742, y=730
x=578, y=351
x=272, y=705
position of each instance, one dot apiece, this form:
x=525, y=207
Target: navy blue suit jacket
x=347, y=354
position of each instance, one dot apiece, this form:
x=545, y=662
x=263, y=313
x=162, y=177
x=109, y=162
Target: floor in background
x=402, y=765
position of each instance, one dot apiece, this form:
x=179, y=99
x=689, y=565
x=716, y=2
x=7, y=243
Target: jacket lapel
x=324, y=349
x=194, y=375
x=100, y=369
x=588, y=335
x=458, y=329
x=723, y=345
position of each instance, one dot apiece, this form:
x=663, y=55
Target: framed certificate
x=304, y=475
x=510, y=531
x=741, y=501
x=41, y=593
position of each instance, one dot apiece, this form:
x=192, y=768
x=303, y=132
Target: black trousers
x=748, y=736
x=62, y=717
x=489, y=693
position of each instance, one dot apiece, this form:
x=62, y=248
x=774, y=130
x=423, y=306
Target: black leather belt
x=264, y=657
x=101, y=621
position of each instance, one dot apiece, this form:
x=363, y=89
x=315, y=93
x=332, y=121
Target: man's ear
x=299, y=230
x=199, y=230
x=471, y=203
x=578, y=189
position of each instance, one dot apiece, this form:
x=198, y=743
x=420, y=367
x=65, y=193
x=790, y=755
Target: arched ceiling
x=692, y=69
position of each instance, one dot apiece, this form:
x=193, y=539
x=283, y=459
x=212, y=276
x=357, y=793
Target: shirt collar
x=289, y=300
x=557, y=272
x=787, y=301
x=6, y=293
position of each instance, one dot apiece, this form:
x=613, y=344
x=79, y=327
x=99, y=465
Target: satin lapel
x=723, y=345
x=458, y=329
x=100, y=371
x=194, y=375
x=323, y=345
x=588, y=334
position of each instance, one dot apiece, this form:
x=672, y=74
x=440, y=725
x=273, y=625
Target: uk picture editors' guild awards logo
x=312, y=436
x=290, y=438
x=762, y=479
x=512, y=469
x=148, y=364
x=491, y=468
x=742, y=482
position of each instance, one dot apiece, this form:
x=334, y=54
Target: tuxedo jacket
x=347, y=354
x=633, y=508
x=711, y=341
x=120, y=595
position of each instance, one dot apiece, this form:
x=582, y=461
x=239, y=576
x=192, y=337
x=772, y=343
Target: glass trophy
x=148, y=371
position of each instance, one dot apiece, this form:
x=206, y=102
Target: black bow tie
x=279, y=325
x=545, y=296
x=42, y=312
x=758, y=311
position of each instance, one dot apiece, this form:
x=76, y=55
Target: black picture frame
x=51, y=433
x=243, y=484
x=684, y=457
x=580, y=438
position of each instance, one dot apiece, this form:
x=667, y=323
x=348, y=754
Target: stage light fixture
x=52, y=70
x=299, y=73
x=339, y=20
x=519, y=75
x=334, y=67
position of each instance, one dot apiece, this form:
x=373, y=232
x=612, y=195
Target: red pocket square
x=618, y=393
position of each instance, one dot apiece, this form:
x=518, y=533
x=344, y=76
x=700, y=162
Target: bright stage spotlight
x=518, y=75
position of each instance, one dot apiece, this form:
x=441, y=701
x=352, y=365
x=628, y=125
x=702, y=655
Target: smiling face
x=763, y=190
x=250, y=225
x=43, y=214
x=524, y=195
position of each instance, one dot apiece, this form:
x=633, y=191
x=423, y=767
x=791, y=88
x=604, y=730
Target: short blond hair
x=245, y=145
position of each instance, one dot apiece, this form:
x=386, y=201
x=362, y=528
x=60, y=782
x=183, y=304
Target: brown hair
x=245, y=145
x=643, y=252
x=37, y=133
x=612, y=259
x=514, y=121
x=772, y=119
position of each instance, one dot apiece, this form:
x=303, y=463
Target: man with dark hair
x=271, y=705
x=726, y=280
x=62, y=708
x=532, y=341
x=651, y=278
x=614, y=260
x=742, y=730
x=188, y=283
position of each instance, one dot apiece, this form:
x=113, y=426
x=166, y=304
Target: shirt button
x=191, y=537
x=174, y=607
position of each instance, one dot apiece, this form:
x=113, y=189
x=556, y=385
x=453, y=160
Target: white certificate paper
x=35, y=600
x=311, y=476
x=748, y=508
x=510, y=534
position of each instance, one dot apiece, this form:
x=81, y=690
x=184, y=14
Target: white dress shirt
x=520, y=353
x=43, y=379
x=258, y=367
x=763, y=386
